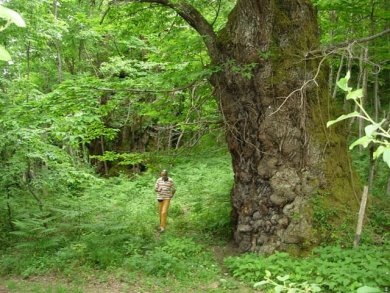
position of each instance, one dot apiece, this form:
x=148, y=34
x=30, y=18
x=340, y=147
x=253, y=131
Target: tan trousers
x=163, y=211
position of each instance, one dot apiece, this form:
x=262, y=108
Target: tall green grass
x=111, y=224
x=92, y=227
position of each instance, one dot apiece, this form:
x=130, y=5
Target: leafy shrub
x=283, y=284
x=333, y=268
x=97, y=223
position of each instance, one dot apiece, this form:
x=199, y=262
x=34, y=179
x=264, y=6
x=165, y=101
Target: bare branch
x=348, y=43
x=193, y=17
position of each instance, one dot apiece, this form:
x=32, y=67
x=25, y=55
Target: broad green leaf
x=284, y=278
x=259, y=284
x=278, y=289
x=370, y=129
x=292, y=290
x=12, y=16
x=267, y=273
x=315, y=288
x=366, y=289
x=4, y=55
x=343, y=82
x=364, y=141
x=378, y=152
x=386, y=156
x=357, y=94
x=343, y=117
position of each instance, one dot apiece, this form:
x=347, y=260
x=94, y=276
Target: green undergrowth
x=103, y=231
x=109, y=226
x=333, y=269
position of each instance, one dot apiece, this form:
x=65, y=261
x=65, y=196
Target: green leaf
x=278, y=288
x=282, y=279
x=371, y=129
x=4, y=55
x=386, y=156
x=259, y=284
x=366, y=289
x=378, y=152
x=267, y=273
x=12, y=16
x=348, y=75
x=364, y=141
x=292, y=290
x=343, y=117
x=315, y=288
x=343, y=82
x=357, y=94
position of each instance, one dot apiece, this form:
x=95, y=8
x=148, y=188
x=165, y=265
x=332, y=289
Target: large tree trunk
x=281, y=153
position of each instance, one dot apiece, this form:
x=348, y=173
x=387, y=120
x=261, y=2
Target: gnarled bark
x=273, y=102
x=277, y=163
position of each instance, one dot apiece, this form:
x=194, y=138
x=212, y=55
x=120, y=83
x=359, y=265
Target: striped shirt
x=164, y=189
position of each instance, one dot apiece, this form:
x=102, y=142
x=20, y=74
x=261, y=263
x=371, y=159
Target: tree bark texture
x=278, y=159
x=282, y=153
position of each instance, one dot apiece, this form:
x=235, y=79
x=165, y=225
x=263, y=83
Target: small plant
x=285, y=285
x=375, y=133
x=333, y=268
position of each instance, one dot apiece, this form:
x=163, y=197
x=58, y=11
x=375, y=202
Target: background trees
x=123, y=89
x=93, y=84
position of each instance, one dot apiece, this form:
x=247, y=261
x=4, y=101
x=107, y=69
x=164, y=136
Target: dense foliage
x=98, y=98
x=333, y=269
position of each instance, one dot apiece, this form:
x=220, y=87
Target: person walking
x=165, y=189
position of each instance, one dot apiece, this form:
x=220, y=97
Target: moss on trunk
x=282, y=154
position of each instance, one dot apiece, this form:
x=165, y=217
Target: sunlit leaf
x=343, y=117
x=366, y=289
x=284, y=278
x=12, y=16
x=379, y=151
x=315, y=288
x=4, y=55
x=371, y=129
x=259, y=284
x=278, y=289
x=357, y=94
x=364, y=141
x=386, y=156
x=343, y=82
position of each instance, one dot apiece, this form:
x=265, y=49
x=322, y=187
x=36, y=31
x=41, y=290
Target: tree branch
x=347, y=43
x=193, y=17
